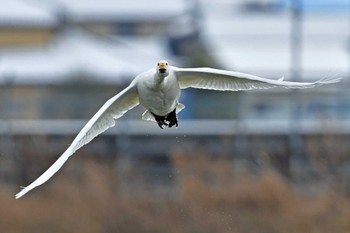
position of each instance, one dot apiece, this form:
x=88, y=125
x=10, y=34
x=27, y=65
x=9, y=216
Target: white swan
x=158, y=90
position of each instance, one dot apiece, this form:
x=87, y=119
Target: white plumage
x=158, y=90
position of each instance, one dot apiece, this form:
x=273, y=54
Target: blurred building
x=60, y=60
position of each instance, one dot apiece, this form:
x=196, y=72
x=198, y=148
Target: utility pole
x=295, y=139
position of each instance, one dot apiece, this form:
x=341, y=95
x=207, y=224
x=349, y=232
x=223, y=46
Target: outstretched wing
x=113, y=109
x=222, y=80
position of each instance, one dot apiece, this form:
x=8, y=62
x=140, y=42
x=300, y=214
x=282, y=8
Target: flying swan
x=158, y=90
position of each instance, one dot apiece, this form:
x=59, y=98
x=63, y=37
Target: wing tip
x=21, y=193
x=329, y=80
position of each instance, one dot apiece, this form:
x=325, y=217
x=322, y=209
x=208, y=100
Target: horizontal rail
x=186, y=127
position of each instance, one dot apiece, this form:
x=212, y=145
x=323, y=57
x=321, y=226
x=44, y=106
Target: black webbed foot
x=161, y=124
x=170, y=120
x=160, y=120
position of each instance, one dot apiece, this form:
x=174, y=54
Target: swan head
x=162, y=68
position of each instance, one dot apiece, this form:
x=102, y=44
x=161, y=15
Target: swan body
x=158, y=90
x=159, y=95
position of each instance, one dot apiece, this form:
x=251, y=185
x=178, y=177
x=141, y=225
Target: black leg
x=160, y=120
x=172, y=119
x=161, y=123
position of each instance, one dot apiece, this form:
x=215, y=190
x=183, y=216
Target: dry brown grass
x=210, y=197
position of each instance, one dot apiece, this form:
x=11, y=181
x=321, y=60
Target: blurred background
x=259, y=161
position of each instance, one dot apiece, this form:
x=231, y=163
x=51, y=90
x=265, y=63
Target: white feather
x=221, y=80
